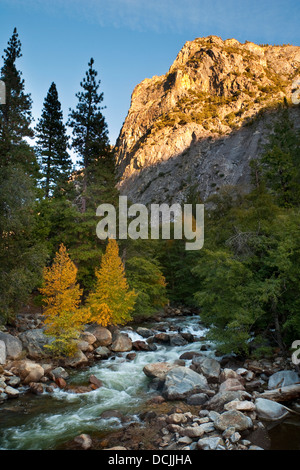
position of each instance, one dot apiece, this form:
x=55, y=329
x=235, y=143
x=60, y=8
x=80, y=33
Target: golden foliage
x=63, y=317
x=112, y=301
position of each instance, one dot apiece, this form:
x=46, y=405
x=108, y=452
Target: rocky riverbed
x=160, y=386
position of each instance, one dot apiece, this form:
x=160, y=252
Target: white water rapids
x=49, y=420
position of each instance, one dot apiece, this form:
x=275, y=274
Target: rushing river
x=47, y=421
x=50, y=420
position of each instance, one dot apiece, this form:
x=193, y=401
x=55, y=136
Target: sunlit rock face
x=198, y=126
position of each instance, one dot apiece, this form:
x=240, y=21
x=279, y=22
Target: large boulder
x=270, y=410
x=122, y=343
x=207, y=366
x=103, y=335
x=13, y=346
x=182, y=382
x=88, y=337
x=34, y=341
x=79, y=359
x=283, y=379
x=2, y=352
x=158, y=370
x=233, y=419
x=29, y=371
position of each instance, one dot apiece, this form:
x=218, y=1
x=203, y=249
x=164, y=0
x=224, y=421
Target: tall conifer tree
x=15, y=114
x=52, y=143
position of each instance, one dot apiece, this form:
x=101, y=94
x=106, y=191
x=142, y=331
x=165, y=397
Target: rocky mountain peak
x=203, y=121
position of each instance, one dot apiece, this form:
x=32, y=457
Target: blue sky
x=129, y=40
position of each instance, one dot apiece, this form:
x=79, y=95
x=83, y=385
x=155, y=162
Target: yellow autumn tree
x=111, y=302
x=62, y=295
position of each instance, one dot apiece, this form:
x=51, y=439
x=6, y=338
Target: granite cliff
x=199, y=125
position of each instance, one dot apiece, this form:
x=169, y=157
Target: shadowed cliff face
x=201, y=123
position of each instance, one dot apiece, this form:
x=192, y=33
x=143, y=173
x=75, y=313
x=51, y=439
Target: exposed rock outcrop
x=191, y=122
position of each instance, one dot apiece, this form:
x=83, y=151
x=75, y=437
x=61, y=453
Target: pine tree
x=111, y=302
x=22, y=253
x=95, y=180
x=90, y=134
x=52, y=143
x=15, y=114
x=62, y=295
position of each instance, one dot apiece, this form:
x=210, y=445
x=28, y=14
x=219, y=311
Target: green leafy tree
x=146, y=278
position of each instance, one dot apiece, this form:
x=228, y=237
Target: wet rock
x=188, y=337
x=95, y=381
x=210, y=368
x=144, y=332
x=13, y=345
x=60, y=382
x=158, y=370
x=140, y=346
x=177, y=340
x=12, y=392
x=282, y=379
x=270, y=410
x=2, y=383
x=182, y=382
x=36, y=388
x=162, y=338
x=3, y=396
x=210, y=443
x=109, y=414
x=197, y=399
x=187, y=356
x=2, y=352
x=234, y=419
x=131, y=356
x=102, y=352
x=122, y=343
x=14, y=381
x=34, y=342
x=103, y=335
x=84, y=441
x=59, y=372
